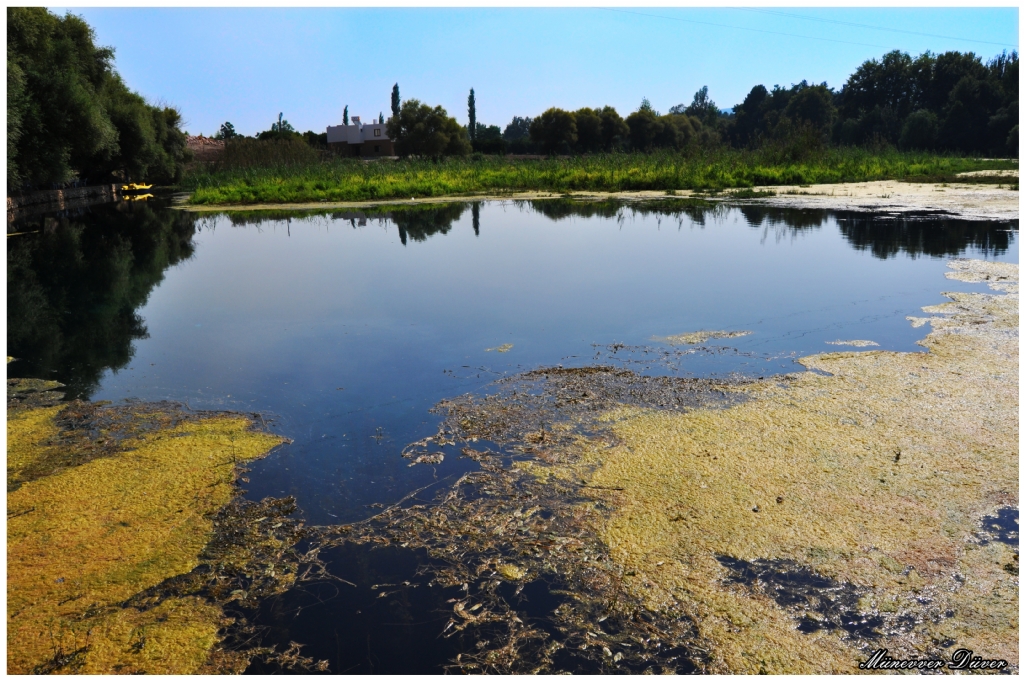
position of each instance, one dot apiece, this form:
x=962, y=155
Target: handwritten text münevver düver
x=961, y=660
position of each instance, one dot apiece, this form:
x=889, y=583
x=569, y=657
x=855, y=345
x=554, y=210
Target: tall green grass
x=355, y=180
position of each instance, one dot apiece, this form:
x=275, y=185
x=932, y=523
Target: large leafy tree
x=588, y=130
x=70, y=116
x=554, y=130
x=613, y=129
x=422, y=130
x=951, y=101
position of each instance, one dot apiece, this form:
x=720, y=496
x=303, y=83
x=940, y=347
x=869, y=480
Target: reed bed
x=300, y=178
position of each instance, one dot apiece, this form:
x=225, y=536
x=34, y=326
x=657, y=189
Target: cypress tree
x=380, y=118
x=396, y=101
x=344, y=116
x=472, y=115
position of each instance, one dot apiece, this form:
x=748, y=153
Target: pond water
x=344, y=329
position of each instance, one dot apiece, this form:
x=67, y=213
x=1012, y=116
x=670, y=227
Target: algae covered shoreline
x=125, y=539
x=646, y=523
x=956, y=199
x=787, y=525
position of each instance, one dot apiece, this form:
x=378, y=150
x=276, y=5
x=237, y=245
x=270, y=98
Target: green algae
x=648, y=503
x=876, y=474
x=111, y=512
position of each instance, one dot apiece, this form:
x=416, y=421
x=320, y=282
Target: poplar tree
x=344, y=116
x=396, y=101
x=472, y=115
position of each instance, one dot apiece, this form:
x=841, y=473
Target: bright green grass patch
x=355, y=180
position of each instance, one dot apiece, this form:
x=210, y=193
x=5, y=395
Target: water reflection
x=886, y=236
x=75, y=284
x=883, y=235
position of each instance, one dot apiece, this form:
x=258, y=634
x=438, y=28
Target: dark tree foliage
x=614, y=130
x=472, y=115
x=281, y=130
x=396, y=101
x=71, y=117
x=317, y=140
x=644, y=128
x=588, y=131
x=554, y=131
x=518, y=129
x=803, y=115
x=227, y=131
x=487, y=139
x=702, y=107
x=949, y=102
x=647, y=130
x=419, y=130
x=344, y=116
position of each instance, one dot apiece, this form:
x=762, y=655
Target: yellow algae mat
x=794, y=524
x=106, y=507
x=876, y=476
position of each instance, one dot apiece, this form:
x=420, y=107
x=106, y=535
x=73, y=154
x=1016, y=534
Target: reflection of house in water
x=369, y=140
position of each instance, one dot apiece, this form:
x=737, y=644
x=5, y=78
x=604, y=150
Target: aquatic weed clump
x=521, y=523
x=872, y=474
x=784, y=525
x=125, y=539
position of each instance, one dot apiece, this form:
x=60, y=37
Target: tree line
x=70, y=116
x=950, y=102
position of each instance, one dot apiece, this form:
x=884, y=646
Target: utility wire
x=739, y=28
x=874, y=28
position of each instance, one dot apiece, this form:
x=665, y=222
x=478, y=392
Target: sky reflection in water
x=348, y=328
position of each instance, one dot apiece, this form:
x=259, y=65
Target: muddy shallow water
x=344, y=330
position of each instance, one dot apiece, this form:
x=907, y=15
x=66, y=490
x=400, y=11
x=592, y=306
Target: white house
x=369, y=140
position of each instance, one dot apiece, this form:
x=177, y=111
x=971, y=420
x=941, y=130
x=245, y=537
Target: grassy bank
x=354, y=180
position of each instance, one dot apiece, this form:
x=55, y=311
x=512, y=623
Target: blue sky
x=245, y=65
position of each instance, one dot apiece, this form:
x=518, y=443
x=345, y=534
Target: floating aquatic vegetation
x=778, y=526
x=698, y=337
x=523, y=519
x=500, y=348
x=125, y=539
x=876, y=475
x=853, y=343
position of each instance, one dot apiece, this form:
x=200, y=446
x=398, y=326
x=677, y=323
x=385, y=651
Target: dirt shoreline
x=964, y=201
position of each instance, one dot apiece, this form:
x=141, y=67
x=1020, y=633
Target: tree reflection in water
x=75, y=284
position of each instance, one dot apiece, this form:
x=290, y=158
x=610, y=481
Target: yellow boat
x=135, y=187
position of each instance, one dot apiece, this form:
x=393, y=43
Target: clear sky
x=245, y=65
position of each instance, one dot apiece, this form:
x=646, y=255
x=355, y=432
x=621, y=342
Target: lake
x=344, y=329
